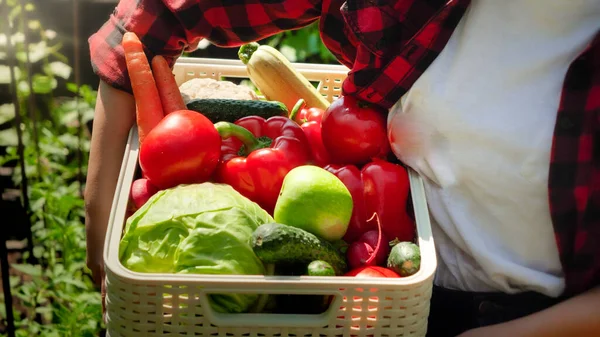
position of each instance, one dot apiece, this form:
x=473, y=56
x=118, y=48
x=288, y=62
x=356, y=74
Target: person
x=495, y=103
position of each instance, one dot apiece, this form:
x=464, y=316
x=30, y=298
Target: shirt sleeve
x=168, y=27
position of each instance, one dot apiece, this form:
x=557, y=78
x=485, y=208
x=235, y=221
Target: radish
x=370, y=249
x=141, y=191
x=371, y=238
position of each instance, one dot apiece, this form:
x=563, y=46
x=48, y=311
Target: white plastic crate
x=153, y=305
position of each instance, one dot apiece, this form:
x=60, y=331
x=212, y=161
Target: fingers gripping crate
x=177, y=305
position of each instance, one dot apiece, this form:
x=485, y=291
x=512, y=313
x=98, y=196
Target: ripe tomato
x=371, y=271
x=364, y=272
x=354, y=132
x=184, y=148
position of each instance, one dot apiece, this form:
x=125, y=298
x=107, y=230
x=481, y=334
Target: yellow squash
x=276, y=77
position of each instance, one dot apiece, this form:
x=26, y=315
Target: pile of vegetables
x=287, y=184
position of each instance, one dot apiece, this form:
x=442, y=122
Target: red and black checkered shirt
x=387, y=44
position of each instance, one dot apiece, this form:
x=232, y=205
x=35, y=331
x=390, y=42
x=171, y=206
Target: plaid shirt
x=387, y=45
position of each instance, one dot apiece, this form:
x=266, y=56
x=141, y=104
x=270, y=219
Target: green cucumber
x=320, y=268
x=282, y=244
x=404, y=258
x=230, y=110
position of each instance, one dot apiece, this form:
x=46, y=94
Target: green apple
x=315, y=200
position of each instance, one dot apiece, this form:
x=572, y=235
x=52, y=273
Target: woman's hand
x=114, y=115
x=482, y=332
x=578, y=316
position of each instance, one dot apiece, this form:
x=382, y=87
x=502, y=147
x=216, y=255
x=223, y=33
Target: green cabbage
x=196, y=229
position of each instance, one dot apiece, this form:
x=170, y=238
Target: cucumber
x=282, y=244
x=404, y=258
x=320, y=268
x=230, y=110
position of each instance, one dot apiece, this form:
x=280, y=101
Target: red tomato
x=365, y=272
x=371, y=271
x=354, y=132
x=184, y=148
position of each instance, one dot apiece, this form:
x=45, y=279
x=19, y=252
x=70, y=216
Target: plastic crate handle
x=269, y=320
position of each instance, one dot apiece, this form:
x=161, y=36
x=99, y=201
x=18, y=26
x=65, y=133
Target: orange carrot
x=170, y=96
x=147, y=100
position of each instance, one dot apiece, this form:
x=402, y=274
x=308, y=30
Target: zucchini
x=230, y=110
x=276, y=77
x=282, y=244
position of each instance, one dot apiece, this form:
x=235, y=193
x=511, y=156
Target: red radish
x=377, y=239
x=362, y=252
x=368, y=250
x=141, y=191
x=358, y=253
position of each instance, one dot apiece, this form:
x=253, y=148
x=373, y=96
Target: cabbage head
x=196, y=229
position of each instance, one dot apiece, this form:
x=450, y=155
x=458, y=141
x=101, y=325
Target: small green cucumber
x=404, y=258
x=320, y=268
x=282, y=244
x=230, y=110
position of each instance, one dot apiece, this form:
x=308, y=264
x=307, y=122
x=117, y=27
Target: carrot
x=170, y=96
x=147, y=100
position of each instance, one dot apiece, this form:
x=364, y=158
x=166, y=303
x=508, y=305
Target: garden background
x=47, y=97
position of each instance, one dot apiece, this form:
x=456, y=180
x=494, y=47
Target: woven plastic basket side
x=328, y=77
x=174, y=305
x=160, y=310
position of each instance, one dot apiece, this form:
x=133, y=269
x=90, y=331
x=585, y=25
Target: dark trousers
x=453, y=312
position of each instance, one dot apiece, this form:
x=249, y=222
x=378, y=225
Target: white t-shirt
x=478, y=126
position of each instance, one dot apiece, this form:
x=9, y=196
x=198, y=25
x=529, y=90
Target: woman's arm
x=165, y=28
x=168, y=28
x=113, y=118
x=578, y=316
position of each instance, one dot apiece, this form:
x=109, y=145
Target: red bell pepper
x=310, y=122
x=354, y=132
x=380, y=187
x=300, y=114
x=256, y=154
